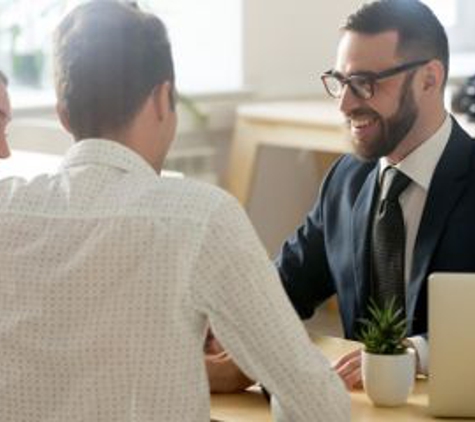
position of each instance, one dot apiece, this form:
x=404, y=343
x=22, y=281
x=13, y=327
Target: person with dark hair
x=402, y=206
x=110, y=273
x=389, y=78
x=5, y=115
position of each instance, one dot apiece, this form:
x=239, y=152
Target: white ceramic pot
x=388, y=379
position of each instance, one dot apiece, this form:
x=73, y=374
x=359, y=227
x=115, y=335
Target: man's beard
x=392, y=130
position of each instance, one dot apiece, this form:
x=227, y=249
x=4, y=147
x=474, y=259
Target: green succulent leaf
x=384, y=331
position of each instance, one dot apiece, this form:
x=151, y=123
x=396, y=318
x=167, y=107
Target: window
x=205, y=34
x=446, y=11
x=458, y=17
x=206, y=40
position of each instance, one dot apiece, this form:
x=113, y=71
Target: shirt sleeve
x=237, y=287
x=422, y=348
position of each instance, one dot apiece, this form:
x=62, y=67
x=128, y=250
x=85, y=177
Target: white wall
x=287, y=44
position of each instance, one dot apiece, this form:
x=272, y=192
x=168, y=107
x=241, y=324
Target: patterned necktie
x=388, y=239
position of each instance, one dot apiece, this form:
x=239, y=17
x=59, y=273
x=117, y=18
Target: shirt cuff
x=422, y=348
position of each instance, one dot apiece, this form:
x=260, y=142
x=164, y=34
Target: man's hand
x=223, y=374
x=349, y=369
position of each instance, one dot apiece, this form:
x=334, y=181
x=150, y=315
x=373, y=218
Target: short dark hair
x=109, y=56
x=421, y=35
x=3, y=78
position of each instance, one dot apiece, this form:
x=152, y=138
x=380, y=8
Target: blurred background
x=227, y=53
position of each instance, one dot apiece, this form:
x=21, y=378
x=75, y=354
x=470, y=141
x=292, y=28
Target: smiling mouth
x=362, y=123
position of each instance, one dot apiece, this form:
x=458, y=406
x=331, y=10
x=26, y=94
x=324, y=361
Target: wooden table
x=305, y=125
x=252, y=407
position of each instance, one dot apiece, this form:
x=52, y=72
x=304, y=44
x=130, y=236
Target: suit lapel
x=360, y=232
x=447, y=185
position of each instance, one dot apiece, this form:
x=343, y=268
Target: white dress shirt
x=108, y=274
x=419, y=165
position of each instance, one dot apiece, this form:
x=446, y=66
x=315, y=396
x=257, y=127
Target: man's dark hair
x=421, y=35
x=109, y=56
x=3, y=78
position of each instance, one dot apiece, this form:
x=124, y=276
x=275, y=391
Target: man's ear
x=433, y=77
x=162, y=100
x=63, y=116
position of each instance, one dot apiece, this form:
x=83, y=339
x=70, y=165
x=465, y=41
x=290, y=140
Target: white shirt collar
x=112, y=153
x=420, y=164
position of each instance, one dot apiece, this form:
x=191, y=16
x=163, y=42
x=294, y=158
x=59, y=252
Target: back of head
x=108, y=57
x=421, y=35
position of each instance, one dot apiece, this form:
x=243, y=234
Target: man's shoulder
x=15, y=190
x=197, y=191
x=9, y=184
x=350, y=162
x=350, y=170
x=58, y=195
x=186, y=196
x=460, y=130
x=459, y=153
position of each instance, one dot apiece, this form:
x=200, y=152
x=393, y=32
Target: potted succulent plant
x=388, y=365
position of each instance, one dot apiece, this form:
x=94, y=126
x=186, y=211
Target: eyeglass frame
x=372, y=78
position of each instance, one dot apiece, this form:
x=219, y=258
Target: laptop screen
x=452, y=344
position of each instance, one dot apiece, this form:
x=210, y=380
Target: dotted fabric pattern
x=388, y=241
x=108, y=276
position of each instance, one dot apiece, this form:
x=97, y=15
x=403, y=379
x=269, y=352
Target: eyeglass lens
x=360, y=85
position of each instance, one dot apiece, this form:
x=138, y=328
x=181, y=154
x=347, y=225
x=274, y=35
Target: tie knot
x=394, y=182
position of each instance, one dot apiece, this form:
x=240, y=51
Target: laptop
x=452, y=344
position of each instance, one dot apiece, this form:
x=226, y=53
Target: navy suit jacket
x=328, y=254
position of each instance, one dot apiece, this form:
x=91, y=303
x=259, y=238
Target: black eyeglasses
x=362, y=84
